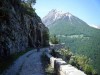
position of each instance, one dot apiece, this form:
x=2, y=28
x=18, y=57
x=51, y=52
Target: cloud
x=95, y=26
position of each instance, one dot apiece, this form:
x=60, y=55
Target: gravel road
x=27, y=64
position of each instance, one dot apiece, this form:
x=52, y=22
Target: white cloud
x=95, y=26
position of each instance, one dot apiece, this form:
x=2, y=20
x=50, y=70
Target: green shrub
x=80, y=61
x=83, y=63
x=88, y=69
x=94, y=72
x=54, y=39
x=28, y=10
x=73, y=61
x=45, y=38
x=65, y=53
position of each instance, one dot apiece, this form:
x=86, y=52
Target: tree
x=30, y=2
x=54, y=39
x=46, y=38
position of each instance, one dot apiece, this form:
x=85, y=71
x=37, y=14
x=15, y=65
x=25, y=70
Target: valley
x=81, y=38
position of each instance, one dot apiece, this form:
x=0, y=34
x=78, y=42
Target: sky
x=86, y=10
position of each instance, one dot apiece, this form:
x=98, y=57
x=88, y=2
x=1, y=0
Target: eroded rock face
x=19, y=30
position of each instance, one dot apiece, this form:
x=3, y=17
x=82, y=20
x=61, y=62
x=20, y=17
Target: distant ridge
x=54, y=15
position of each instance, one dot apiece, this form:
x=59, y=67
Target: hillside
x=77, y=34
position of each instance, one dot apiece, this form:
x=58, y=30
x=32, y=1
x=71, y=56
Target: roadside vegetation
x=79, y=61
x=54, y=39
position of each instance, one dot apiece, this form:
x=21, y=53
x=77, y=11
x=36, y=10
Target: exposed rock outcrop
x=18, y=28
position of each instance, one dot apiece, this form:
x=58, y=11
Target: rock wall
x=19, y=30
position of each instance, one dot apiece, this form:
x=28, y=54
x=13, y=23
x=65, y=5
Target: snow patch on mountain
x=54, y=15
x=57, y=15
x=68, y=14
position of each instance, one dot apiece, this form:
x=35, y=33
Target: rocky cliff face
x=18, y=29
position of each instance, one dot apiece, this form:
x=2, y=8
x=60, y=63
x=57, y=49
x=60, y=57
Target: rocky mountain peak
x=54, y=15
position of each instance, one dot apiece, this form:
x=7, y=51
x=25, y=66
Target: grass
x=5, y=63
x=46, y=65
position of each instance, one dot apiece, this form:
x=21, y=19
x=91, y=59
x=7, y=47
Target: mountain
x=54, y=15
x=66, y=23
x=76, y=34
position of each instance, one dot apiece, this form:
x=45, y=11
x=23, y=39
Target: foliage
x=88, y=69
x=29, y=2
x=23, y=6
x=80, y=37
x=28, y=10
x=83, y=63
x=65, y=54
x=45, y=38
x=80, y=61
x=54, y=39
x=89, y=47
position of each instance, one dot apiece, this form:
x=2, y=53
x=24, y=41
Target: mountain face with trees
x=20, y=27
x=76, y=34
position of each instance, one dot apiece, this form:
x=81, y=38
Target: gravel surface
x=27, y=64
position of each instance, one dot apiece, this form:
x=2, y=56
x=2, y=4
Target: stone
x=70, y=70
x=57, y=64
x=52, y=59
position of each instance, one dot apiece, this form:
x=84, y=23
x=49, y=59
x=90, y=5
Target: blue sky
x=87, y=10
